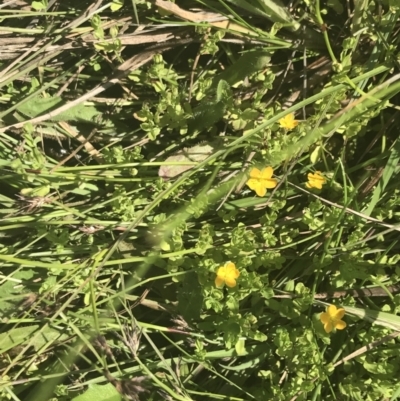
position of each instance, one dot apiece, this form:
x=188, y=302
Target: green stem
x=324, y=31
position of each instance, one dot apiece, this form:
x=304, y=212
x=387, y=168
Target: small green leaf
x=116, y=5
x=223, y=91
x=258, y=336
x=240, y=347
x=36, y=192
x=267, y=292
x=314, y=157
x=39, y=5
x=80, y=191
x=165, y=246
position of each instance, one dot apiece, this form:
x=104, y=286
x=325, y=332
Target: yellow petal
x=271, y=183
x=253, y=183
x=233, y=272
x=328, y=327
x=266, y=173
x=260, y=190
x=230, y=282
x=219, y=281
x=340, y=313
x=316, y=184
x=332, y=310
x=308, y=185
x=316, y=180
x=340, y=325
x=255, y=173
x=288, y=121
x=325, y=318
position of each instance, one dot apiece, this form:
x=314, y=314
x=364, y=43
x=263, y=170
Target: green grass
x=128, y=133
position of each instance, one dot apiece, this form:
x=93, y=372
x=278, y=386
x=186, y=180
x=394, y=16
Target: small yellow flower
x=332, y=318
x=288, y=122
x=227, y=275
x=315, y=180
x=259, y=181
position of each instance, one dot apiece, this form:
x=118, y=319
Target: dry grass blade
x=214, y=19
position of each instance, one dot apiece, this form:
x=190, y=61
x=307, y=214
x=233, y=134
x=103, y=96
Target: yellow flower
x=227, y=275
x=331, y=319
x=315, y=180
x=261, y=180
x=288, y=122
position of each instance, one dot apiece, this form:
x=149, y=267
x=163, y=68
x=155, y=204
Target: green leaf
x=248, y=64
x=190, y=298
x=360, y=8
x=267, y=293
x=314, y=157
x=116, y=5
x=23, y=335
x=383, y=368
x=274, y=10
x=38, y=106
x=16, y=336
x=99, y=393
x=47, y=336
x=389, y=170
x=205, y=115
x=245, y=120
x=39, y=191
x=223, y=91
x=9, y=288
x=396, y=394
x=231, y=334
x=39, y=5
x=277, y=12
x=240, y=347
x=394, y=5
x=165, y=246
x=191, y=156
x=80, y=191
x=258, y=336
